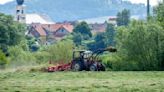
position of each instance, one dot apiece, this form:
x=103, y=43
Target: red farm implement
x=59, y=67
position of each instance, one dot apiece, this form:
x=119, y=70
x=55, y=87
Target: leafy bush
x=111, y=60
x=117, y=63
x=12, y=32
x=42, y=57
x=140, y=46
x=19, y=57
x=61, y=51
x=3, y=59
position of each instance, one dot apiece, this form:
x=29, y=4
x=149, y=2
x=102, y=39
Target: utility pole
x=148, y=9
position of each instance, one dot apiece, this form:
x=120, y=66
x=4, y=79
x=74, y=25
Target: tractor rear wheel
x=77, y=66
x=93, y=68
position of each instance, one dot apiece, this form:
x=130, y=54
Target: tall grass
x=61, y=52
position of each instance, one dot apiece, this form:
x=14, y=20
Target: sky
x=5, y=1
x=152, y=2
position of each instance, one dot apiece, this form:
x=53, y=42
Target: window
x=18, y=11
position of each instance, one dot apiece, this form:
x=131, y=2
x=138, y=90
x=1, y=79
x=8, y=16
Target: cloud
x=5, y=1
x=152, y=2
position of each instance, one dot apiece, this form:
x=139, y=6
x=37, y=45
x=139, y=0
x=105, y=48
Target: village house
x=98, y=28
x=113, y=20
x=48, y=33
x=101, y=27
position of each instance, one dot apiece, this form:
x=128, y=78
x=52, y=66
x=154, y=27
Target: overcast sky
x=153, y=2
x=5, y=1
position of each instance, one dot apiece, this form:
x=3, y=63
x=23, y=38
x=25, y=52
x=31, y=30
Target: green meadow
x=81, y=81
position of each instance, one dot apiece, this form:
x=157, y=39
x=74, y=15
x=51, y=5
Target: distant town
x=48, y=32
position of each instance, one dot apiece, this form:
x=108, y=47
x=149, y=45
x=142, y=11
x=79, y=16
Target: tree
x=100, y=42
x=11, y=32
x=141, y=44
x=148, y=9
x=110, y=33
x=159, y=13
x=84, y=29
x=123, y=18
x=77, y=38
x=103, y=40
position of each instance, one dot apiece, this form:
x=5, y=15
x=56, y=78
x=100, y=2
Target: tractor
x=88, y=60
x=84, y=60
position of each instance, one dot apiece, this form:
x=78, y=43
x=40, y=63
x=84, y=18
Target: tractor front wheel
x=77, y=66
x=93, y=68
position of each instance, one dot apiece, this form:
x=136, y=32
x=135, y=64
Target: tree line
x=139, y=43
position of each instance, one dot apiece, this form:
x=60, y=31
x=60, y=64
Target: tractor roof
x=86, y=51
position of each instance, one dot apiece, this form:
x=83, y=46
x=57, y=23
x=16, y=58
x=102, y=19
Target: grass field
x=82, y=82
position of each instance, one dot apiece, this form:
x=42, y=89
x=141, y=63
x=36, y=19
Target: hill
x=61, y=10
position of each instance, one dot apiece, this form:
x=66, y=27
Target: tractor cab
x=81, y=54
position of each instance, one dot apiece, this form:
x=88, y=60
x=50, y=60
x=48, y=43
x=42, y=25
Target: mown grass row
x=82, y=82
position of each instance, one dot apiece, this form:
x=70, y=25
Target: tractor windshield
x=87, y=54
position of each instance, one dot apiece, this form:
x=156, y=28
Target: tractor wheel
x=77, y=66
x=93, y=68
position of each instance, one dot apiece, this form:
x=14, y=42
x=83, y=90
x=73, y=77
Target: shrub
x=61, y=51
x=118, y=63
x=19, y=57
x=140, y=45
x=3, y=59
x=125, y=66
x=109, y=60
x=42, y=57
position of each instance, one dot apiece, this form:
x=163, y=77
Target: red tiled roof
x=68, y=27
x=55, y=27
x=39, y=29
x=51, y=27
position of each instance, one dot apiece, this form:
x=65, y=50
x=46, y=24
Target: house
x=98, y=28
x=113, y=20
x=58, y=30
x=38, y=32
x=101, y=27
x=50, y=32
